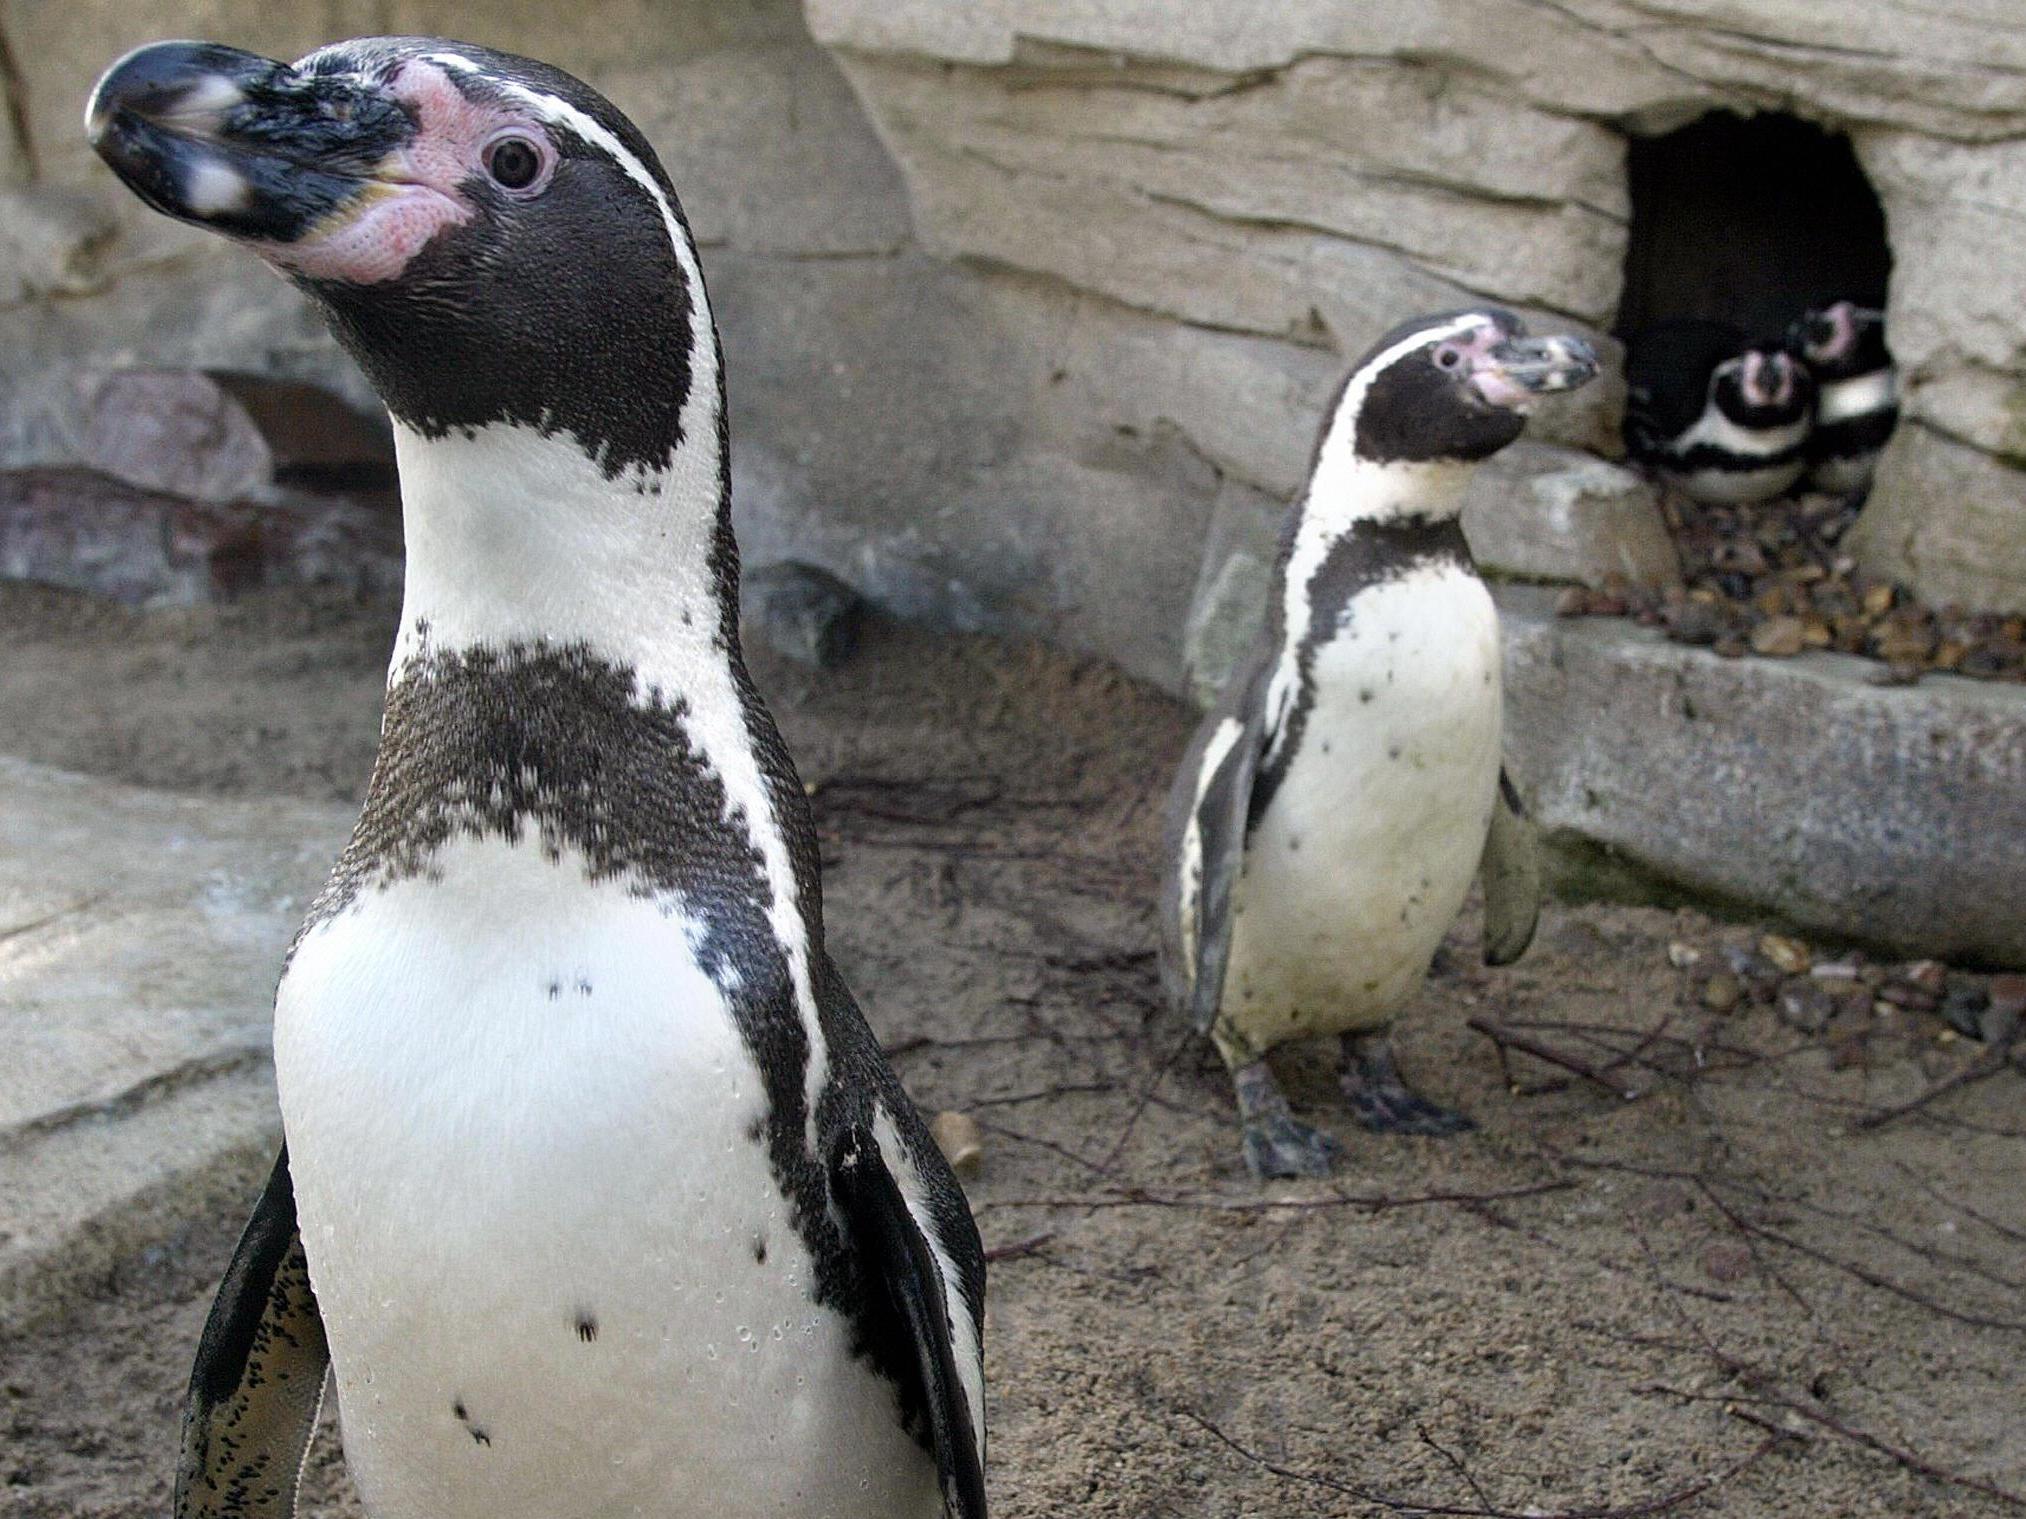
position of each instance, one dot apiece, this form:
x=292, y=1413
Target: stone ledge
x=140, y=933
x=1884, y=816
x=91, y=1197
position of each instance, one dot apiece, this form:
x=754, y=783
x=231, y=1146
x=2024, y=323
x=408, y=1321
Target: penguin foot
x=1381, y=1101
x=1276, y=1142
x=1285, y=1146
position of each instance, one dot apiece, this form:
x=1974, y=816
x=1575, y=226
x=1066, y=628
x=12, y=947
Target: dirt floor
x=1690, y=1282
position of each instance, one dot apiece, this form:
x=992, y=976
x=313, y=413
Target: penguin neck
x=1348, y=492
x=519, y=538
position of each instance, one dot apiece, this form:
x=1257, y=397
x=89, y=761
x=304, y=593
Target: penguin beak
x=1514, y=373
x=1768, y=379
x=241, y=144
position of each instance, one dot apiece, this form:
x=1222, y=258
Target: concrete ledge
x=1888, y=816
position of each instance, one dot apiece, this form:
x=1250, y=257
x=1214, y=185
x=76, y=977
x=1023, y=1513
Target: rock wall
x=1263, y=185
x=868, y=380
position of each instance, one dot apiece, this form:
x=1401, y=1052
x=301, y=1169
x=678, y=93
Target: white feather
x=1362, y=859
x=460, y=1215
x=1860, y=396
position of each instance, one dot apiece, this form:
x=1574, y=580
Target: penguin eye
x=515, y=162
x=1448, y=357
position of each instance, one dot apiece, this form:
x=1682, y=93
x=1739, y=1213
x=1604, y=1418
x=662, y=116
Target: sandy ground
x=1705, y=1292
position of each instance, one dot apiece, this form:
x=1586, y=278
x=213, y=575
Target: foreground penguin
x=598, y=1195
x=1857, y=394
x=1330, y=815
x=1721, y=418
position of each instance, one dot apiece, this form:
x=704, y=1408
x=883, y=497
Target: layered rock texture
x=1032, y=307
x=1268, y=184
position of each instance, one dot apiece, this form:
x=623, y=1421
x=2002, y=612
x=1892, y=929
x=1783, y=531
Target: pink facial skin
x=1493, y=386
x=1768, y=379
x=1842, y=319
x=416, y=194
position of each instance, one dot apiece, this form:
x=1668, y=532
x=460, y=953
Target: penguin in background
x=598, y=1196
x=1333, y=808
x=1857, y=394
x=1722, y=418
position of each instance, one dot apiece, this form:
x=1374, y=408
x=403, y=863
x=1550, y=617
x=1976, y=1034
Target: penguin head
x=1841, y=341
x=490, y=238
x=1457, y=387
x=1761, y=387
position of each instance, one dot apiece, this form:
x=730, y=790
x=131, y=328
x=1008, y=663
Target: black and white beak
x=1515, y=372
x=244, y=145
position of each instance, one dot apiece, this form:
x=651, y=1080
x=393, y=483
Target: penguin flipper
x=1512, y=877
x=1222, y=819
x=258, y=1384
x=901, y=1265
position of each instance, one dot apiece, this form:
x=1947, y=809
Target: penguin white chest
x=1369, y=844
x=554, y=1263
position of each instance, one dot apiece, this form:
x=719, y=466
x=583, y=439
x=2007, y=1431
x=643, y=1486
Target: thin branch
x=1019, y=1247
x=1505, y=1036
x=1658, y=1505
x=1372, y=1202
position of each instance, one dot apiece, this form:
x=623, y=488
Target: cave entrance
x=1751, y=221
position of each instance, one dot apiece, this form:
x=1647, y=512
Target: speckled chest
x=1362, y=854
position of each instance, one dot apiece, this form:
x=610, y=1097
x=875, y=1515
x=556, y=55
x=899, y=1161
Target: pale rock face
x=1537, y=512
x=1019, y=292
x=1307, y=171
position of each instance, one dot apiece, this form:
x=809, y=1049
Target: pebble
x=2008, y=993
x=1681, y=954
x=1726, y=1260
x=1721, y=992
x=1768, y=579
x=1929, y=975
x=2000, y=1022
x=803, y=613
x=961, y=1141
x=1804, y=1006
x=1790, y=955
x=1964, y=1008
x=1779, y=637
x=1906, y=994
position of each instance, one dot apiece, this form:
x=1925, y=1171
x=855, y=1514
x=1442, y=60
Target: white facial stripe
x=717, y=718
x=1345, y=488
x=1866, y=393
x=1716, y=430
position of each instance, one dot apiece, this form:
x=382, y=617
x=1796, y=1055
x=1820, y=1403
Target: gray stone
x=53, y=242
x=1229, y=606
x=802, y=613
x=88, y=532
x=1889, y=817
x=140, y=936
x=1537, y=512
x=1947, y=519
x=174, y=430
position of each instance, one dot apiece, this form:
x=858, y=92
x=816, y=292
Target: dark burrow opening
x=1749, y=220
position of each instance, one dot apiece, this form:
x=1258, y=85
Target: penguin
x=1722, y=418
x=597, y=1195
x=1857, y=393
x=1333, y=808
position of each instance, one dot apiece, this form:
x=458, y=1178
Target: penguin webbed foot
x=1384, y=1103
x=1276, y=1143
x=1285, y=1146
